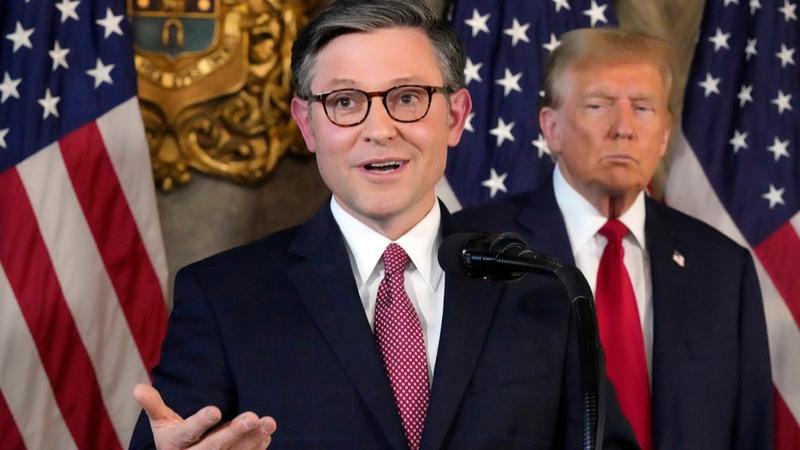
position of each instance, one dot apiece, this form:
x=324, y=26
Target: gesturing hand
x=172, y=432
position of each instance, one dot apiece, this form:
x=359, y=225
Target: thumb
x=150, y=400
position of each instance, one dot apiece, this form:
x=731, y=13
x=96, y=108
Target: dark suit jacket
x=277, y=327
x=711, y=383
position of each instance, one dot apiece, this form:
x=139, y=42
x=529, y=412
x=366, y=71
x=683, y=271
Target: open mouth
x=383, y=166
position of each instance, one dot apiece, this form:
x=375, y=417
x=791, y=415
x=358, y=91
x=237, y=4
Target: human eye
x=345, y=100
x=408, y=96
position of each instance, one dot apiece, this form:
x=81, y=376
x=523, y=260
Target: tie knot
x=614, y=231
x=395, y=259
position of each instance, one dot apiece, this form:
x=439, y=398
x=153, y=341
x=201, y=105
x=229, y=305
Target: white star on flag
x=728, y=2
x=8, y=88
x=782, y=102
x=502, y=131
x=59, y=56
x=518, y=32
x=541, y=144
x=779, y=148
x=744, y=95
x=738, y=141
x=101, y=73
x=478, y=22
x=596, y=13
x=561, y=4
x=49, y=103
x=510, y=82
x=710, y=84
x=110, y=24
x=775, y=196
x=553, y=44
x=20, y=37
x=68, y=9
x=495, y=182
x=471, y=71
x=468, y=124
x=750, y=50
x=3, y=134
x=754, y=5
x=720, y=40
x=786, y=55
x=788, y=10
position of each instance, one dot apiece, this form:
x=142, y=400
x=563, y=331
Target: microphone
x=504, y=257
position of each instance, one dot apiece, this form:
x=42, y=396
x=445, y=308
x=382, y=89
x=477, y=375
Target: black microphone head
x=452, y=249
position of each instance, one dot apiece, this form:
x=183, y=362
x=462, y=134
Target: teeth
x=384, y=166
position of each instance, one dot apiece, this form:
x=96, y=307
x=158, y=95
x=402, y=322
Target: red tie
x=402, y=346
x=621, y=334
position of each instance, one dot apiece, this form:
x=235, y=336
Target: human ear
x=301, y=111
x=460, y=107
x=548, y=123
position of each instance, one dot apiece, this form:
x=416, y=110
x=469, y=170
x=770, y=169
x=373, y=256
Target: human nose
x=379, y=126
x=622, y=127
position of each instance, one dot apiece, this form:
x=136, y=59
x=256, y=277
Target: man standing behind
x=344, y=328
x=678, y=304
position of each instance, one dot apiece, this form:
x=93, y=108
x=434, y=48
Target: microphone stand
x=582, y=303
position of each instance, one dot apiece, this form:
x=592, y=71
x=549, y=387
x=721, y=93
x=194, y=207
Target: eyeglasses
x=350, y=107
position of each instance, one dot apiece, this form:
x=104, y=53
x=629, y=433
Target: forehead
x=376, y=60
x=621, y=73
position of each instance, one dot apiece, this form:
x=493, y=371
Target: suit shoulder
x=698, y=232
x=270, y=250
x=494, y=211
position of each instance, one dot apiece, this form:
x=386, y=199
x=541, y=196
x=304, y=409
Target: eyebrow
x=607, y=96
x=338, y=83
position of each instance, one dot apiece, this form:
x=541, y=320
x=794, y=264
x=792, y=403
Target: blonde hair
x=588, y=46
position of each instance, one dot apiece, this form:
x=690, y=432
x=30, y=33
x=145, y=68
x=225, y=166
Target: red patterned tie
x=621, y=334
x=402, y=346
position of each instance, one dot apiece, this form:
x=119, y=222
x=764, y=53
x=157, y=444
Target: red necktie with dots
x=621, y=334
x=402, y=346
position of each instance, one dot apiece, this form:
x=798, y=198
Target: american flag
x=82, y=264
x=507, y=42
x=737, y=165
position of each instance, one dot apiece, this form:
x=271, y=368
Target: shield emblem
x=214, y=85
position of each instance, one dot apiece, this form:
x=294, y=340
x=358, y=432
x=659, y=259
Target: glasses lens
x=408, y=103
x=346, y=107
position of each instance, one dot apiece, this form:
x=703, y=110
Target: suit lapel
x=541, y=218
x=670, y=271
x=468, y=310
x=327, y=288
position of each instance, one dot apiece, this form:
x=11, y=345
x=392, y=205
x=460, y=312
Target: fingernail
x=248, y=422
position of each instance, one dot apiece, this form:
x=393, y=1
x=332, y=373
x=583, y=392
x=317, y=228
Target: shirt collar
x=366, y=245
x=583, y=220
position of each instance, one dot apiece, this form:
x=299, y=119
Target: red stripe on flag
x=26, y=260
x=10, y=439
x=787, y=431
x=780, y=255
x=118, y=240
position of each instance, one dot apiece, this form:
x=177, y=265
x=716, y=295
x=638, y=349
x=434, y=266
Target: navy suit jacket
x=711, y=382
x=277, y=327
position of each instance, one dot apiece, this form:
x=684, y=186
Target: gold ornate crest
x=215, y=85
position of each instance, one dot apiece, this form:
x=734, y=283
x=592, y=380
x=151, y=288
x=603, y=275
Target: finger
x=193, y=428
x=150, y=400
x=233, y=432
x=257, y=438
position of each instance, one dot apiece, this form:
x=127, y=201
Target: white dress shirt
x=583, y=223
x=424, y=279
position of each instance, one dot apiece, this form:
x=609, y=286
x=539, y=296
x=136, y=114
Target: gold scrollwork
x=224, y=111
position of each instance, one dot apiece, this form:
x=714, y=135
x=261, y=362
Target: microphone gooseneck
x=506, y=258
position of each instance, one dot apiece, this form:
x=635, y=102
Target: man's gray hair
x=358, y=16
